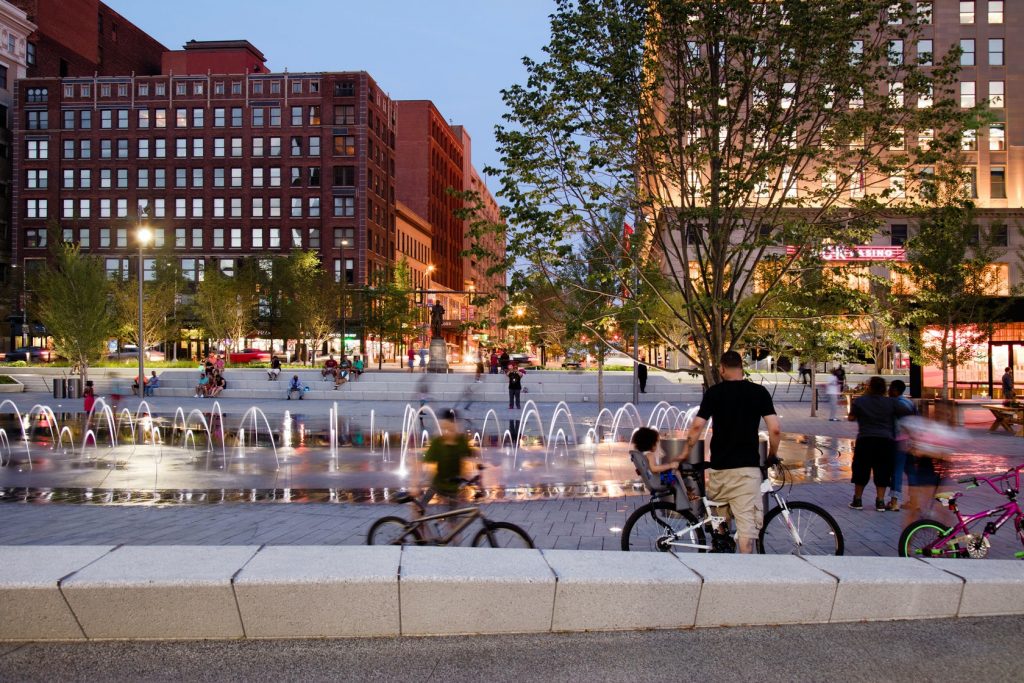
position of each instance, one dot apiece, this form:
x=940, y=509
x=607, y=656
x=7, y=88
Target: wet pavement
x=576, y=494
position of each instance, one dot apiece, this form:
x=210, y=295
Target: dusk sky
x=458, y=53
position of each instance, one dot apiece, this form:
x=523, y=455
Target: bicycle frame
x=1007, y=511
x=422, y=524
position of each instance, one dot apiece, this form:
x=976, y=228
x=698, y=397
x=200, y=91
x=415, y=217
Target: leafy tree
x=724, y=129
x=73, y=297
x=303, y=299
x=159, y=304
x=390, y=306
x=226, y=305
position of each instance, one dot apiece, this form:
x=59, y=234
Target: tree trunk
x=814, y=388
x=600, y=383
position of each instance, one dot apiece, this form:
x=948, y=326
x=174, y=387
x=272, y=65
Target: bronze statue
x=436, y=319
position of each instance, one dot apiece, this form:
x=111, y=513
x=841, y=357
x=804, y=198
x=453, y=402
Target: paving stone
x=875, y=588
x=760, y=589
x=159, y=592
x=991, y=587
x=320, y=592
x=606, y=591
x=475, y=590
x=31, y=604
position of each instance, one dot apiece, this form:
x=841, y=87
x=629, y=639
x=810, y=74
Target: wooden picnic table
x=1005, y=416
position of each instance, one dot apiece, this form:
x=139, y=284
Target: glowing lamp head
x=144, y=236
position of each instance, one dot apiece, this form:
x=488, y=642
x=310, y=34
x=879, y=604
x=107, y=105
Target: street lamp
x=144, y=236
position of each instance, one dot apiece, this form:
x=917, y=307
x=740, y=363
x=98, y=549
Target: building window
x=275, y=87
x=897, y=235
x=275, y=147
x=296, y=207
x=275, y=238
x=275, y=176
x=296, y=86
x=997, y=137
x=30, y=54
x=257, y=177
x=296, y=115
x=344, y=176
x=198, y=87
x=997, y=179
x=345, y=145
x=996, y=94
x=37, y=179
x=296, y=238
x=219, y=119
x=122, y=118
x=236, y=147
x=218, y=207
x=258, y=120
x=275, y=207
x=40, y=149
x=895, y=53
x=344, y=115
x=345, y=206
x=344, y=89
x=236, y=117
x=143, y=121
x=236, y=207
x=236, y=238
x=257, y=207
x=995, y=11
x=197, y=177
x=36, y=208
x=85, y=119
x=36, y=95
x=197, y=148
x=104, y=238
x=275, y=116
x=257, y=147
x=967, y=11
x=143, y=89
x=967, y=52
x=197, y=238
x=314, y=176
x=236, y=87
x=219, y=149
x=296, y=174
x=180, y=88
x=122, y=148
x=218, y=88
x=197, y=207
x=967, y=94
x=218, y=238
x=969, y=140
x=69, y=118
x=236, y=177
x=257, y=87
x=999, y=236
x=314, y=146
x=313, y=208
x=995, y=51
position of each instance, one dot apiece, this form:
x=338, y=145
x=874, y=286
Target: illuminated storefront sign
x=859, y=253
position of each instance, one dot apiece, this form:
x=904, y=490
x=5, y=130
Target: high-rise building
x=221, y=162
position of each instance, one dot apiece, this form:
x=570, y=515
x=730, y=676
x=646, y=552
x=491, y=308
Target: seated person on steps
x=275, y=368
x=294, y=386
x=330, y=368
x=153, y=383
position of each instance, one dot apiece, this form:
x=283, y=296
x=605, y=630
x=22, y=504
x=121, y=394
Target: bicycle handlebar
x=967, y=480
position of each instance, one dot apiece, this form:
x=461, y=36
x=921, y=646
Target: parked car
x=249, y=356
x=618, y=358
x=523, y=360
x=131, y=352
x=32, y=354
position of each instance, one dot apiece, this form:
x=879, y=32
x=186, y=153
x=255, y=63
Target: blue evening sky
x=458, y=53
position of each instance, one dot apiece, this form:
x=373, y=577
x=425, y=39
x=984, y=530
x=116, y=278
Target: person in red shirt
x=330, y=368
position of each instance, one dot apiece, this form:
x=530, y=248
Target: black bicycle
x=445, y=528
x=797, y=528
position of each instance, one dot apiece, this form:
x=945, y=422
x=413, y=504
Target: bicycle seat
x=946, y=496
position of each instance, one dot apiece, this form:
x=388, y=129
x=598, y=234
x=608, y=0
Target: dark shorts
x=873, y=458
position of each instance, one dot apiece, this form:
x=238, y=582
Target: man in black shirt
x=736, y=408
x=515, y=385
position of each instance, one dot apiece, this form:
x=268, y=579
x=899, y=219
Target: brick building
x=221, y=165
x=86, y=38
x=430, y=159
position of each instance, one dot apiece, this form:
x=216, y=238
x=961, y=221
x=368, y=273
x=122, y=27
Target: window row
x=185, y=238
x=82, y=179
x=182, y=207
x=296, y=86
x=969, y=8
x=183, y=148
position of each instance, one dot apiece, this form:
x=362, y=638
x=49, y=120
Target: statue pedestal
x=438, y=356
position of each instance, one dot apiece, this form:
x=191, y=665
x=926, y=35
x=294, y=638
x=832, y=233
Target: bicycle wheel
x=818, y=531
x=502, y=535
x=918, y=536
x=391, y=531
x=650, y=528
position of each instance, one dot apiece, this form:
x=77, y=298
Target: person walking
x=641, y=376
x=515, y=385
x=902, y=444
x=736, y=408
x=89, y=394
x=832, y=391
x=1008, y=395
x=874, y=451
x=503, y=361
x=412, y=358
x=423, y=358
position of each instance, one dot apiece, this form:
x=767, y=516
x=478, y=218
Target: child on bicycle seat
x=645, y=442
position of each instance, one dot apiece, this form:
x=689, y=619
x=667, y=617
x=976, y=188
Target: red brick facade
x=220, y=166
x=430, y=160
x=85, y=37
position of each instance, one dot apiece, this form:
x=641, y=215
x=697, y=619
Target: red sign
x=866, y=252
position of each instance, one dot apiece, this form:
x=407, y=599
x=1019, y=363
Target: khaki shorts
x=740, y=490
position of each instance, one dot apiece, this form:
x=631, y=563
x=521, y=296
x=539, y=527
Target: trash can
x=75, y=387
x=60, y=387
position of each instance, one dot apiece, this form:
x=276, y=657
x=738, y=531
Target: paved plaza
x=308, y=497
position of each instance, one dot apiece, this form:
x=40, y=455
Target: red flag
x=627, y=230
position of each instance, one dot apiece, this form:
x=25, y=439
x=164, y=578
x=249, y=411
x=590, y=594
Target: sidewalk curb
x=247, y=592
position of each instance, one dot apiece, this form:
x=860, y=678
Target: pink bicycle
x=968, y=537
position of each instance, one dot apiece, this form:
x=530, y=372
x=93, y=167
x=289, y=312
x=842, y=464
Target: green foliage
x=391, y=310
x=226, y=306
x=677, y=116
x=159, y=304
x=73, y=300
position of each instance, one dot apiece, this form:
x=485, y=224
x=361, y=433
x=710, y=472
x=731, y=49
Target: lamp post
x=144, y=235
